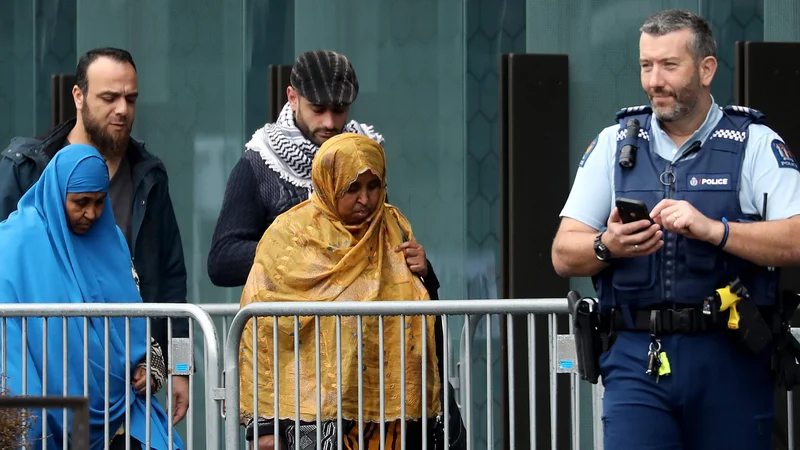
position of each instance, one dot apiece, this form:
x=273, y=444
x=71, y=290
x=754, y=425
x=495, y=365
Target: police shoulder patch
x=784, y=156
x=588, y=151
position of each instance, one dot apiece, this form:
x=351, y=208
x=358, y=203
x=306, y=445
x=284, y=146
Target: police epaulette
x=755, y=115
x=633, y=110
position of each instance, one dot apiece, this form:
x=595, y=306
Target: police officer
x=704, y=172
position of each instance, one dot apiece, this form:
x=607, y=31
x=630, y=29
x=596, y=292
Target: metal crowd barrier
x=561, y=355
x=560, y=362
x=210, y=366
x=561, y=352
x=400, y=309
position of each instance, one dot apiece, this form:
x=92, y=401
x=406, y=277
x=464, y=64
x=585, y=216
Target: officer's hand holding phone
x=631, y=232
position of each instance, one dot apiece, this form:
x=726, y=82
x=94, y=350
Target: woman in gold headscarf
x=343, y=244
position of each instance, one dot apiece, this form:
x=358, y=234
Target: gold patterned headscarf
x=309, y=254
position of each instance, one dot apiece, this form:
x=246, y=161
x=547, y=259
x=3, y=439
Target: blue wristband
x=724, y=236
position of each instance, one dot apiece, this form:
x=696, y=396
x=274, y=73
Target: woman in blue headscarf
x=63, y=246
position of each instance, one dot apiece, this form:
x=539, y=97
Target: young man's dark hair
x=117, y=54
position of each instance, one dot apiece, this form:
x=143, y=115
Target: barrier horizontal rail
x=220, y=309
x=174, y=310
x=408, y=308
x=213, y=405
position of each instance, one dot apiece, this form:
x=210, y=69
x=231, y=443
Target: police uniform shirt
x=768, y=167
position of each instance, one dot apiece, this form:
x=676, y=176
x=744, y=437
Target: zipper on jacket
x=136, y=226
x=668, y=180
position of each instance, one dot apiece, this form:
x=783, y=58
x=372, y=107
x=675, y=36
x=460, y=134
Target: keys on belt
x=657, y=361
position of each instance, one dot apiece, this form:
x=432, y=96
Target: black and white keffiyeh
x=285, y=150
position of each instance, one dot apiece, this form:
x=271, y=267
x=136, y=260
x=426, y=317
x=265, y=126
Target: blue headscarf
x=43, y=261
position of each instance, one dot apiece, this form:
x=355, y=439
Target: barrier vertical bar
x=127, y=382
x=360, y=383
x=551, y=327
x=446, y=375
x=64, y=374
x=402, y=382
x=424, y=406
x=468, y=357
x=319, y=382
x=489, y=386
x=512, y=433
x=44, y=378
x=382, y=426
x=106, y=350
x=339, y=428
x=297, y=382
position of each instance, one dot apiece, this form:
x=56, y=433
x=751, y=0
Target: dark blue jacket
x=685, y=271
x=155, y=239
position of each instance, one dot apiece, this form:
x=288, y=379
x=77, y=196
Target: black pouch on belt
x=586, y=331
x=748, y=329
x=753, y=334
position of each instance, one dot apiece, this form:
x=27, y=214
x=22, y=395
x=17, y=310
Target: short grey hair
x=663, y=22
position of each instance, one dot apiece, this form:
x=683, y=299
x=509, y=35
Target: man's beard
x=685, y=99
x=107, y=144
x=310, y=134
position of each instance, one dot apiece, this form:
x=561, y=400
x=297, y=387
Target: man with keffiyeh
x=274, y=174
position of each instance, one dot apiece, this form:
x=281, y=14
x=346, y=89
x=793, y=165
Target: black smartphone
x=632, y=210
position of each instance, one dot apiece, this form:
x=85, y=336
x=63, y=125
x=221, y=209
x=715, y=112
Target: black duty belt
x=684, y=320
